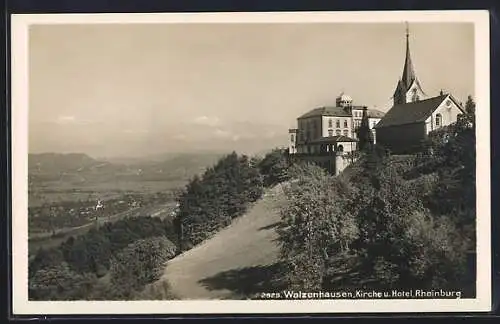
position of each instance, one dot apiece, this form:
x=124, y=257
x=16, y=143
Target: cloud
x=66, y=120
x=207, y=121
x=72, y=120
x=222, y=133
x=135, y=131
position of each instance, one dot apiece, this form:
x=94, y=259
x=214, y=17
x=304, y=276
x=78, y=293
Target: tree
x=59, y=282
x=317, y=226
x=45, y=258
x=212, y=200
x=274, y=167
x=470, y=106
x=365, y=134
x=406, y=245
x=140, y=263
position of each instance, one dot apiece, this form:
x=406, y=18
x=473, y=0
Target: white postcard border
x=19, y=123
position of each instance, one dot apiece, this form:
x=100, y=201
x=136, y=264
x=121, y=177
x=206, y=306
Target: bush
x=140, y=263
x=316, y=227
x=274, y=167
x=211, y=201
x=59, y=282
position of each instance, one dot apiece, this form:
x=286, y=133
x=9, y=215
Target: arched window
x=346, y=132
x=415, y=97
x=337, y=132
x=330, y=132
x=439, y=120
x=340, y=148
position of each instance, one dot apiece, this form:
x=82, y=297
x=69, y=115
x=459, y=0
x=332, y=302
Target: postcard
x=250, y=163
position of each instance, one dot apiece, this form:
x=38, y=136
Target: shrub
x=211, y=201
x=59, y=282
x=140, y=263
x=274, y=167
x=316, y=227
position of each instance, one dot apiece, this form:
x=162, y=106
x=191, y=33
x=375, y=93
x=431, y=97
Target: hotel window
x=330, y=132
x=438, y=120
x=330, y=123
x=337, y=123
x=346, y=133
x=337, y=132
x=345, y=124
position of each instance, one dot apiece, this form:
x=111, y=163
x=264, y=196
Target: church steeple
x=408, y=88
x=408, y=70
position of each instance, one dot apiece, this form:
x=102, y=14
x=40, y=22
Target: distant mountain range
x=56, y=162
x=54, y=166
x=80, y=167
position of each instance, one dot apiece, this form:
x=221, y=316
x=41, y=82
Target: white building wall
x=342, y=123
x=449, y=112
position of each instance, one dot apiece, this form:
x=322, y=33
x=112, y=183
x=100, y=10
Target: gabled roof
x=413, y=112
x=328, y=111
x=374, y=113
x=333, y=139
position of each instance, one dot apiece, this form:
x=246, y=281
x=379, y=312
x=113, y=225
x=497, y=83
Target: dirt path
x=239, y=261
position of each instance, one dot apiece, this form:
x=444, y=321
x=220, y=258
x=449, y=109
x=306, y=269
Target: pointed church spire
x=408, y=71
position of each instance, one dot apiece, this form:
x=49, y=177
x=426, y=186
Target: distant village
x=328, y=135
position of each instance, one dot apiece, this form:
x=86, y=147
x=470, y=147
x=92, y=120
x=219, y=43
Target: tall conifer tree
x=364, y=133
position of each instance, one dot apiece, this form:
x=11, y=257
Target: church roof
x=408, y=76
x=374, y=113
x=333, y=139
x=412, y=112
x=328, y=111
x=408, y=69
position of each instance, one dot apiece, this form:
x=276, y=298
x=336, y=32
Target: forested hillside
x=116, y=260
x=387, y=221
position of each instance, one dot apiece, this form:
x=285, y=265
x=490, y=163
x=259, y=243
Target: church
x=326, y=135
x=414, y=114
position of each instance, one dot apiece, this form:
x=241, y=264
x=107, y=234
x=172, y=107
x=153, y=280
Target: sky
x=132, y=90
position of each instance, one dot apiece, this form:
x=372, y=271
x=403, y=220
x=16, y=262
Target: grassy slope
x=235, y=262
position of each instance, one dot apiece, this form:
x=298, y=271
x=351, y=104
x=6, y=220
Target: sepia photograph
x=251, y=162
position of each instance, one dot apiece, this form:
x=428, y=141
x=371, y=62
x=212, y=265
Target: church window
x=337, y=132
x=338, y=123
x=330, y=123
x=415, y=96
x=345, y=123
x=330, y=132
x=439, y=120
